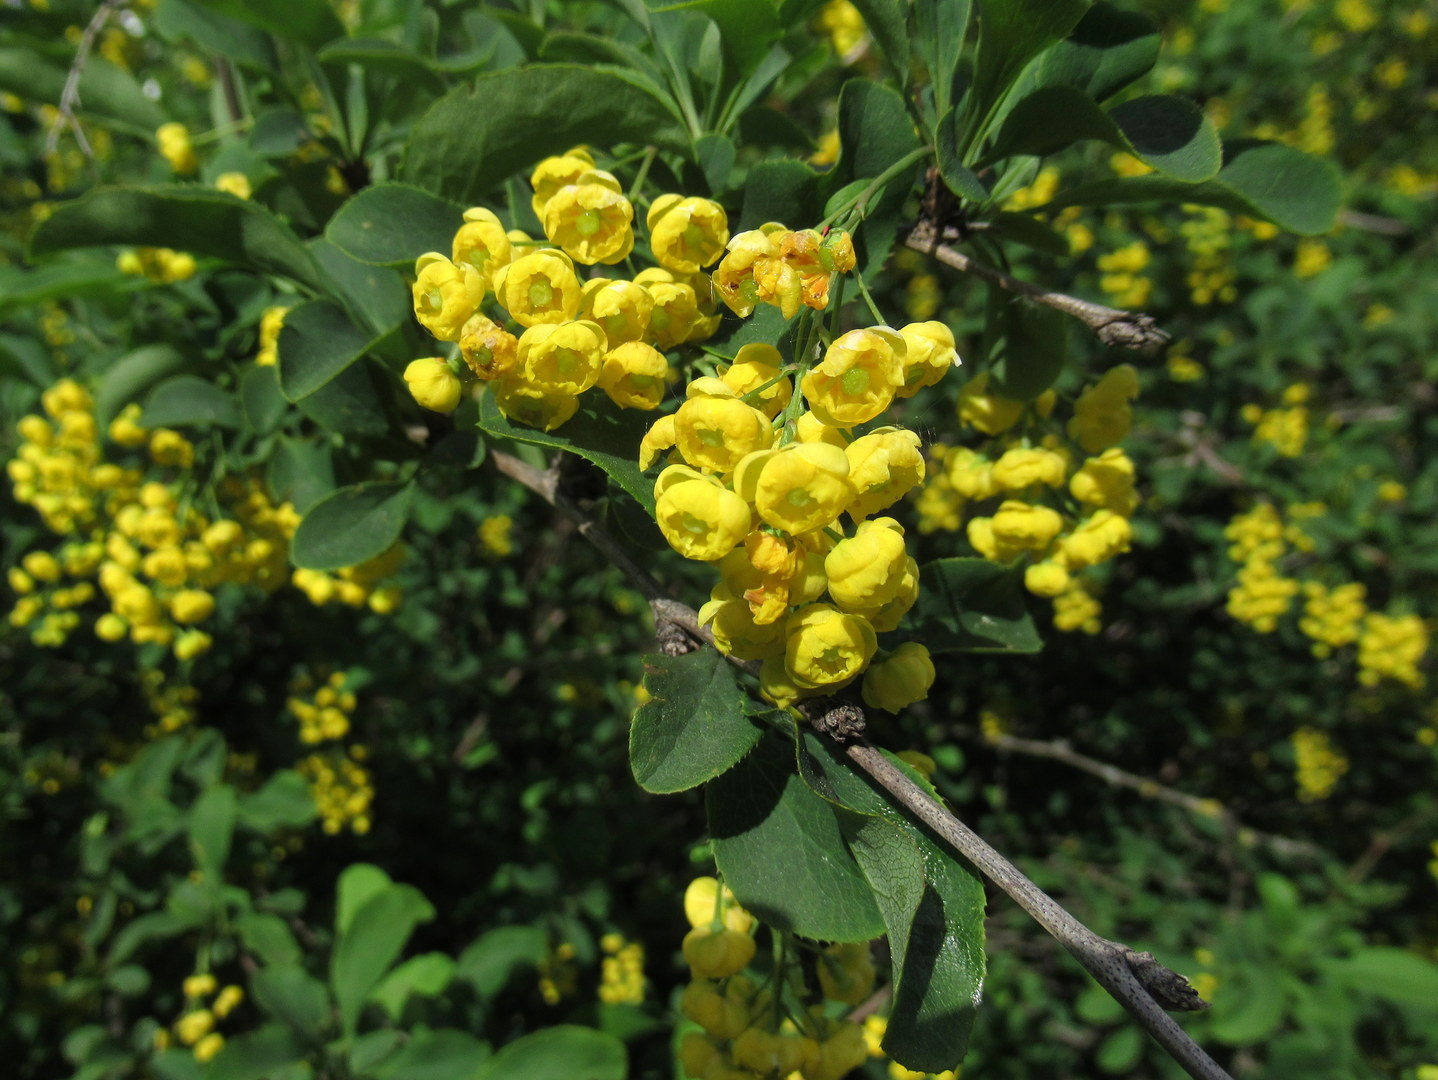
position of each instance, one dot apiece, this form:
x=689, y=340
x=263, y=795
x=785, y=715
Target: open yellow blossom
x=930, y=351
x=756, y=370
x=563, y=358
x=555, y=172
x=866, y=571
x=591, y=220
x=675, y=314
x=533, y=405
x=899, y=679
x=633, y=375
x=736, y=631
x=1107, y=482
x=488, y=349
x=482, y=243
x=686, y=234
x=826, y=648
x=734, y=279
x=540, y=287
x=803, y=486
x=714, y=431
x=446, y=294
x=701, y=519
x=884, y=466
x=433, y=384
x=657, y=439
x=623, y=308
x=990, y=413
x=858, y=377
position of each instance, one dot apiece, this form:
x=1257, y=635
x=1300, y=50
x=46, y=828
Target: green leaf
x=28, y=288
x=257, y=1055
x=748, y=28
x=317, y=342
x=475, y=136
x=376, y=297
x=491, y=960
x=957, y=176
x=268, y=937
x=445, y=1054
x=371, y=943
x=1029, y=231
x=263, y=402
x=972, y=605
x=1013, y=32
x=933, y=906
x=301, y=471
x=779, y=190
x=393, y=224
x=186, y=218
x=349, y=404
x=358, y=884
x=562, y=1052
x=716, y=155
x=106, y=91
x=379, y=57
x=293, y=996
x=1393, y=974
x=940, y=29
x=28, y=359
x=875, y=132
x=178, y=19
x=419, y=976
x=212, y=827
x=695, y=724
x=780, y=848
x=1034, y=347
x=283, y=802
x=308, y=23
x=1268, y=181
x=124, y=380
x=1168, y=133
x=887, y=20
x=1107, y=50
x=351, y=525
x=600, y=432
x=1251, y=1007
x=184, y=400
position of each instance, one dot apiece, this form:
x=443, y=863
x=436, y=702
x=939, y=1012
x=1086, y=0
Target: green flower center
x=710, y=437
x=589, y=223
x=799, y=498
x=694, y=525
x=855, y=381
x=541, y=293
x=434, y=300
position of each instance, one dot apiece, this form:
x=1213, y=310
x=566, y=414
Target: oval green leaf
x=562, y=1052
x=317, y=342
x=183, y=400
x=351, y=525
x=393, y=224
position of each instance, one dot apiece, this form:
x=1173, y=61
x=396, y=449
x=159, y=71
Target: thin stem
x=70, y=93
x=861, y=201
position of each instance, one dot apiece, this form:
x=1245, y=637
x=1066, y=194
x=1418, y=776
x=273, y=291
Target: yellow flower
x=175, y=147
x=563, y=358
x=192, y=1027
x=445, y=294
x=735, y=630
x=674, y=316
x=540, y=287
x=884, y=466
x=734, y=279
x=1101, y=415
x=657, y=439
x=686, y=234
x=857, y=378
x=900, y=679
x=533, y=405
x=1046, y=579
x=988, y=412
x=623, y=308
x=701, y=519
x=433, y=384
x=487, y=348
x=633, y=375
x=591, y=220
x=482, y=243
x=228, y=999
x=866, y=571
x=234, y=183
x=1021, y=467
x=826, y=647
x=930, y=352
x=1019, y=524
x=714, y=432
x=717, y=954
x=1095, y=540
x=1106, y=481
x=553, y=173
x=756, y=370
x=803, y=486
x=209, y=1046
x=705, y=900
x=189, y=606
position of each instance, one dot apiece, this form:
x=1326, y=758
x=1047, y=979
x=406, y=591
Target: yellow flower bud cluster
x=1332, y=617
x=782, y=267
x=160, y=265
x=271, y=322
x=558, y=974
x=1009, y=496
x=495, y=536
x=1392, y=647
x=621, y=972
x=323, y=712
x=548, y=335
x=1039, y=191
x=1286, y=430
x=844, y=26
x=761, y=494
x=1208, y=235
x=175, y=147
x=356, y=586
x=173, y=704
x=196, y=1027
x=745, y=1030
x=1121, y=275
x=1318, y=764
x=341, y=787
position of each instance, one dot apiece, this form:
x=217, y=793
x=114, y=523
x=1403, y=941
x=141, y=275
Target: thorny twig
x=1139, y=982
x=1123, y=329
x=70, y=94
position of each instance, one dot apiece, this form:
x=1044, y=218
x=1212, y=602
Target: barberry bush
x=524, y=524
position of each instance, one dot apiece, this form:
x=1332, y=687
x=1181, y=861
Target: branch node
x=1165, y=986
x=842, y=723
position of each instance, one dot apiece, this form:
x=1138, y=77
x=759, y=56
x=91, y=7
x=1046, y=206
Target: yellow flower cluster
x=1285, y=429
x=1392, y=647
x=160, y=265
x=175, y=147
x=173, y=704
x=841, y=22
x=1332, y=617
x=558, y=974
x=271, y=322
x=359, y=585
x=621, y=973
x=323, y=712
x=1318, y=764
x=1311, y=258
x=574, y=334
x=1208, y=236
x=746, y=1031
x=341, y=787
x=495, y=536
x=1262, y=595
x=1038, y=192
x=196, y=1027
x=1017, y=486
x=1122, y=275
x=758, y=486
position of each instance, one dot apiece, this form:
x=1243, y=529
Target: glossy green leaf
x=887, y=21
x=716, y=156
x=443, y=1054
x=506, y=121
x=1013, y=32
x=1169, y=134
x=972, y=605
x=419, y=976
x=188, y=218
x=1268, y=181
x=393, y=224
x=561, y=1052
x=371, y=944
x=349, y=403
x=301, y=471
x=308, y=22
x=131, y=375
x=932, y=904
x=694, y=726
x=184, y=400
x=317, y=342
x=351, y=525
x=28, y=288
x=293, y=996
x=779, y=189
x=377, y=298
x=212, y=827
x=106, y=91
x=263, y=402
x=1108, y=49
x=1035, y=343
x=257, y=1055
x=781, y=849
x=875, y=132
x=747, y=29
x=600, y=432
